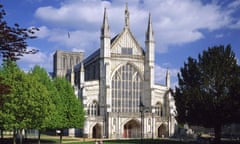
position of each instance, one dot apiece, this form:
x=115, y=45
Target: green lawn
x=68, y=140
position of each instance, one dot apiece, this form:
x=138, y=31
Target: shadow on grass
x=129, y=141
x=165, y=141
x=26, y=141
x=147, y=141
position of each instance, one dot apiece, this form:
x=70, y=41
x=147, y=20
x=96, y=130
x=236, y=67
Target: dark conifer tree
x=208, y=93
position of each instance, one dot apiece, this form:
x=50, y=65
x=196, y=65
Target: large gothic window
x=126, y=89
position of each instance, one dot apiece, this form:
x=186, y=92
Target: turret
x=149, y=33
x=168, y=84
x=149, y=57
x=105, y=64
x=105, y=31
x=105, y=37
x=149, y=64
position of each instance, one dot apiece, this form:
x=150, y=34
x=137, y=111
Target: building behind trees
x=114, y=81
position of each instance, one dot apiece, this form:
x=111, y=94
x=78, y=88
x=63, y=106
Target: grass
x=69, y=140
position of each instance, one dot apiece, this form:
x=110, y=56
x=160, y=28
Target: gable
x=125, y=43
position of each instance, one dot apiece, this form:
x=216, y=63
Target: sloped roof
x=118, y=36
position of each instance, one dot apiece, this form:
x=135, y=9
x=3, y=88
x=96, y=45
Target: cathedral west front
x=117, y=88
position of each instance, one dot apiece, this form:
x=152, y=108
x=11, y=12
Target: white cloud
x=75, y=40
x=175, y=22
x=160, y=75
x=34, y=58
x=181, y=22
x=234, y=4
x=28, y=61
x=78, y=14
x=43, y=32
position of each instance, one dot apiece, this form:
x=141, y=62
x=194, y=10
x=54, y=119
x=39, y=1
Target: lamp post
x=153, y=111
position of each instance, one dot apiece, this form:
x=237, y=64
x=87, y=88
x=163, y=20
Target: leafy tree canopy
x=208, y=93
x=27, y=104
x=13, y=43
x=42, y=77
x=72, y=114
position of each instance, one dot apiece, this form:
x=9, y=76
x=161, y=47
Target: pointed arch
x=163, y=130
x=126, y=89
x=130, y=63
x=132, y=129
x=97, y=131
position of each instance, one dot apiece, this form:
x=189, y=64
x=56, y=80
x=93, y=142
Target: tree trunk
x=39, y=136
x=1, y=134
x=14, y=136
x=20, y=136
x=217, y=131
x=61, y=131
x=25, y=134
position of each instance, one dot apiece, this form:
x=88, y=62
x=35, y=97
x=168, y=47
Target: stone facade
x=63, y=61
x=117, y=87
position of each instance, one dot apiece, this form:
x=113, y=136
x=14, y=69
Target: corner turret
x=168, y=83
x=105, y=30
x=149, y=57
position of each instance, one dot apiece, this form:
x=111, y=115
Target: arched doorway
x=162, y=131
x=96, y=131
x=132, y=129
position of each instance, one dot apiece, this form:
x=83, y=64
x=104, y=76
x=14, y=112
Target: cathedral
x=117, y=88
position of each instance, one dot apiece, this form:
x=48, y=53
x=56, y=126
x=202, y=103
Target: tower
x=149, y=62
x=105, y=53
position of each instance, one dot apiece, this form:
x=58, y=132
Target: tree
x=27, y=105
x=13, y=43
x=208, y=94
x=42, y=77
x=4, y=89
x=10, y=73
x=70, y=108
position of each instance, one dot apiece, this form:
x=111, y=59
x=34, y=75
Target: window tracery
x=126, y=89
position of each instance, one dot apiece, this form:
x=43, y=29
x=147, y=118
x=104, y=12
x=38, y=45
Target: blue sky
x=182, y=28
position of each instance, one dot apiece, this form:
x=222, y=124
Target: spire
x=168, y=78
x=105, y=32
x=126, y=16
x=149, y=33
